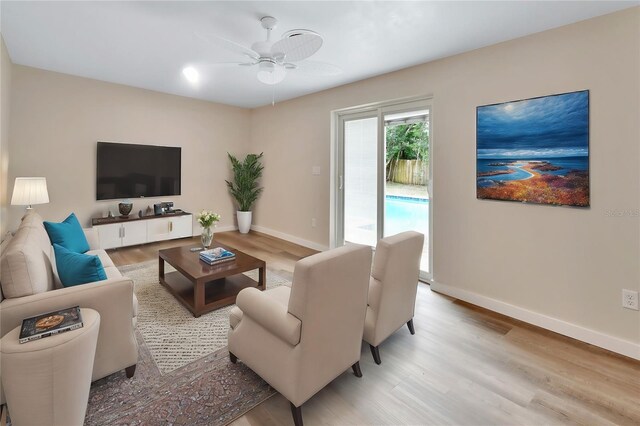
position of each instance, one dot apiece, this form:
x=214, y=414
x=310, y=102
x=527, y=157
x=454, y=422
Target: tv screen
x=133, y=171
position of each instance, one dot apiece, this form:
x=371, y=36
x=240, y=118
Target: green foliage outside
x=407, y=142
x=244, y=187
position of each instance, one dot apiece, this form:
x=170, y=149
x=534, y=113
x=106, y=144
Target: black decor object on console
x=134, y=171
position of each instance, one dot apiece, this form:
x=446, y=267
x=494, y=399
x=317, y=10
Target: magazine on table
x=45, y=325
x=216, y=255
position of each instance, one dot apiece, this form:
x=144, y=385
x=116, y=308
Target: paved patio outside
x=400, y=189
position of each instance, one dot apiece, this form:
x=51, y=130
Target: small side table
x=46, y=381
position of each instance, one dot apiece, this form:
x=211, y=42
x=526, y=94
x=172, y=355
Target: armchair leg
x=376, y=354
x=356, y=369
x=130, y=371
x=296, y=412
x=410, y=325
x=233, y=358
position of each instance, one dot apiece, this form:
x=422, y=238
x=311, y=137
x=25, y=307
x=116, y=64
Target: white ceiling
x=146, y=44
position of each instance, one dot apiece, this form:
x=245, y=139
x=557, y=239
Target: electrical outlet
x=313, y=222
x=630, y=299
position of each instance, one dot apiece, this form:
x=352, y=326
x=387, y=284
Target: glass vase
x=206, y=237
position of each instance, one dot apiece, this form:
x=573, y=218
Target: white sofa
x=30, y=286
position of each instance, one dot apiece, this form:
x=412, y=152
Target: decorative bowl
x=125, y=208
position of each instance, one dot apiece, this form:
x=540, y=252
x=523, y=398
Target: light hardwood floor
x=464, y=366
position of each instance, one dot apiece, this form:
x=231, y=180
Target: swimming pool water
x=406, y=214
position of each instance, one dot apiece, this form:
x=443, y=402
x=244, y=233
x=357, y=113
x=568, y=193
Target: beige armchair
x=299, y=339
x=392, y=288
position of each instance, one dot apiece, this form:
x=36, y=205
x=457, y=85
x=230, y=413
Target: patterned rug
x=184, y=375
x=174, y=337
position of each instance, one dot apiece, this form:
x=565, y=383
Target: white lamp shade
x=29, y=190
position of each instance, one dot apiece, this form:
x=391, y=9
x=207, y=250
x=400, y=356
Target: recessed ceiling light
x=191, y=74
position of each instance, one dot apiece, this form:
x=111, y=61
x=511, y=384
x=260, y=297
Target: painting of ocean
x=534, y=150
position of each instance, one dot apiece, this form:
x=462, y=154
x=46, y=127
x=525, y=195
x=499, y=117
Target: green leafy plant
x=244, y=187
x=406, y=142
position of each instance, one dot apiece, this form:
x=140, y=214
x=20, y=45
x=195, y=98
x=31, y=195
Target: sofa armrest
x=113, y=299
x=270, y=314
x=93, y=238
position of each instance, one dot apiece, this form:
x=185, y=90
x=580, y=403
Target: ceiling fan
x=274, y=59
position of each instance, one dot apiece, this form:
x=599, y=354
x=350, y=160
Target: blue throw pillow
x=77, y=268
x=68, y=234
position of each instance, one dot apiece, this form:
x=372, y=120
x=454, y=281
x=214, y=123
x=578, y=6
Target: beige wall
x=5, y=95
x=569, y=264
x=57, y=119
x=566, y=263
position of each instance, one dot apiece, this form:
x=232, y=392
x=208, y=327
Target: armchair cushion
x=268, y=310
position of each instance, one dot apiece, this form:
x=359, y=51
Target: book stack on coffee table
x=216, y=255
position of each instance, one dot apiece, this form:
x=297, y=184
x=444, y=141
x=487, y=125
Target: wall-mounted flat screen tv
x=134, y=171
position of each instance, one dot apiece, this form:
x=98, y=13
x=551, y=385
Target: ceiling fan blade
x=229, y=45
x=226, y=64
x=315, y=68
x=297, y=46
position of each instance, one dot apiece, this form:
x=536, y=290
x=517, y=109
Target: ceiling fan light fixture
x=270, y=73
x=275, y=59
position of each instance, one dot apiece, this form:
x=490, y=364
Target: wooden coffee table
x=202, y=288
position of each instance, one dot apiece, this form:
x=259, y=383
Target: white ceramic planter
x=244, y=222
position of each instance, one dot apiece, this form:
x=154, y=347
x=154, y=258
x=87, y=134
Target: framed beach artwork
x=534, y=150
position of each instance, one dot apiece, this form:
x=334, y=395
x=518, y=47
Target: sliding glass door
x=383, y=175
x=360, y=181
x=407, y=176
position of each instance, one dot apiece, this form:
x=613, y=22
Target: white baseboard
x=277, y=234
x=224, y=228
x=596, y=338
x=198, y=231
x=290, y=238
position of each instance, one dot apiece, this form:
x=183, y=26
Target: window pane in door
x=407, y=176
x=360, y=181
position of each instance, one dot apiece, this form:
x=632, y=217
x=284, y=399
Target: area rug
x=208, y=391
x=174, y=337
x=183, y=375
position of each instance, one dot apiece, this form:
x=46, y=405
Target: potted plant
x=244, y=188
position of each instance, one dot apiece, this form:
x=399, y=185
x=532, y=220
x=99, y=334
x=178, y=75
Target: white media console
x=117, y=232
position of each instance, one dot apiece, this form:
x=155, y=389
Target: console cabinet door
x=144, y=231
x=181, y=227
x=110, y=235
x=134, y=233
x=158, y=229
